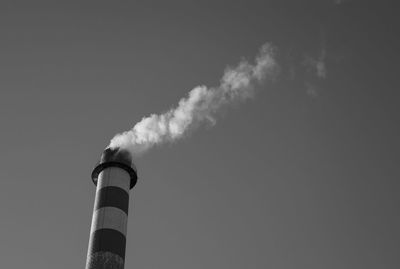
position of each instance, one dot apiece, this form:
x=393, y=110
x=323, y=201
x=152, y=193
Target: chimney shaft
x=114, y=176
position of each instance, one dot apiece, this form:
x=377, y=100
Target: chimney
x=114, y=176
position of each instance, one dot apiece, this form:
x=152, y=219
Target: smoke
x=201, y=105
x=317, y=64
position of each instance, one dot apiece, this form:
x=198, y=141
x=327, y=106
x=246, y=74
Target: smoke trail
x=200, y=105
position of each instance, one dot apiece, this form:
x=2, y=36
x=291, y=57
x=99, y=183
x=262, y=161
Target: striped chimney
x=114, y=176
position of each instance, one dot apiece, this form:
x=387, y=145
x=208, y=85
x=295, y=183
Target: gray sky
x=304, y=175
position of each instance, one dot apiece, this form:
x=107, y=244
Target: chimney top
x=116, y=157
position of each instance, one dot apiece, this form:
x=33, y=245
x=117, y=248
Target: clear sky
x=304, y=175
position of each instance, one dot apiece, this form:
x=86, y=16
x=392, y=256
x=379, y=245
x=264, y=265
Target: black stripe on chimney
x=114, y=197
x=108, y=240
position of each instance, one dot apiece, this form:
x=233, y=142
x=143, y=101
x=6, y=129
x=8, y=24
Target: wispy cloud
x=316, y=68
x=317, y=65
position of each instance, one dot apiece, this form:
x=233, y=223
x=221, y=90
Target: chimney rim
x=104, y=165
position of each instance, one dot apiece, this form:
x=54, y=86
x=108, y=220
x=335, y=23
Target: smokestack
x=114, y=176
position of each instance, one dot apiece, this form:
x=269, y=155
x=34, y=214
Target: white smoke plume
x=200, y=105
